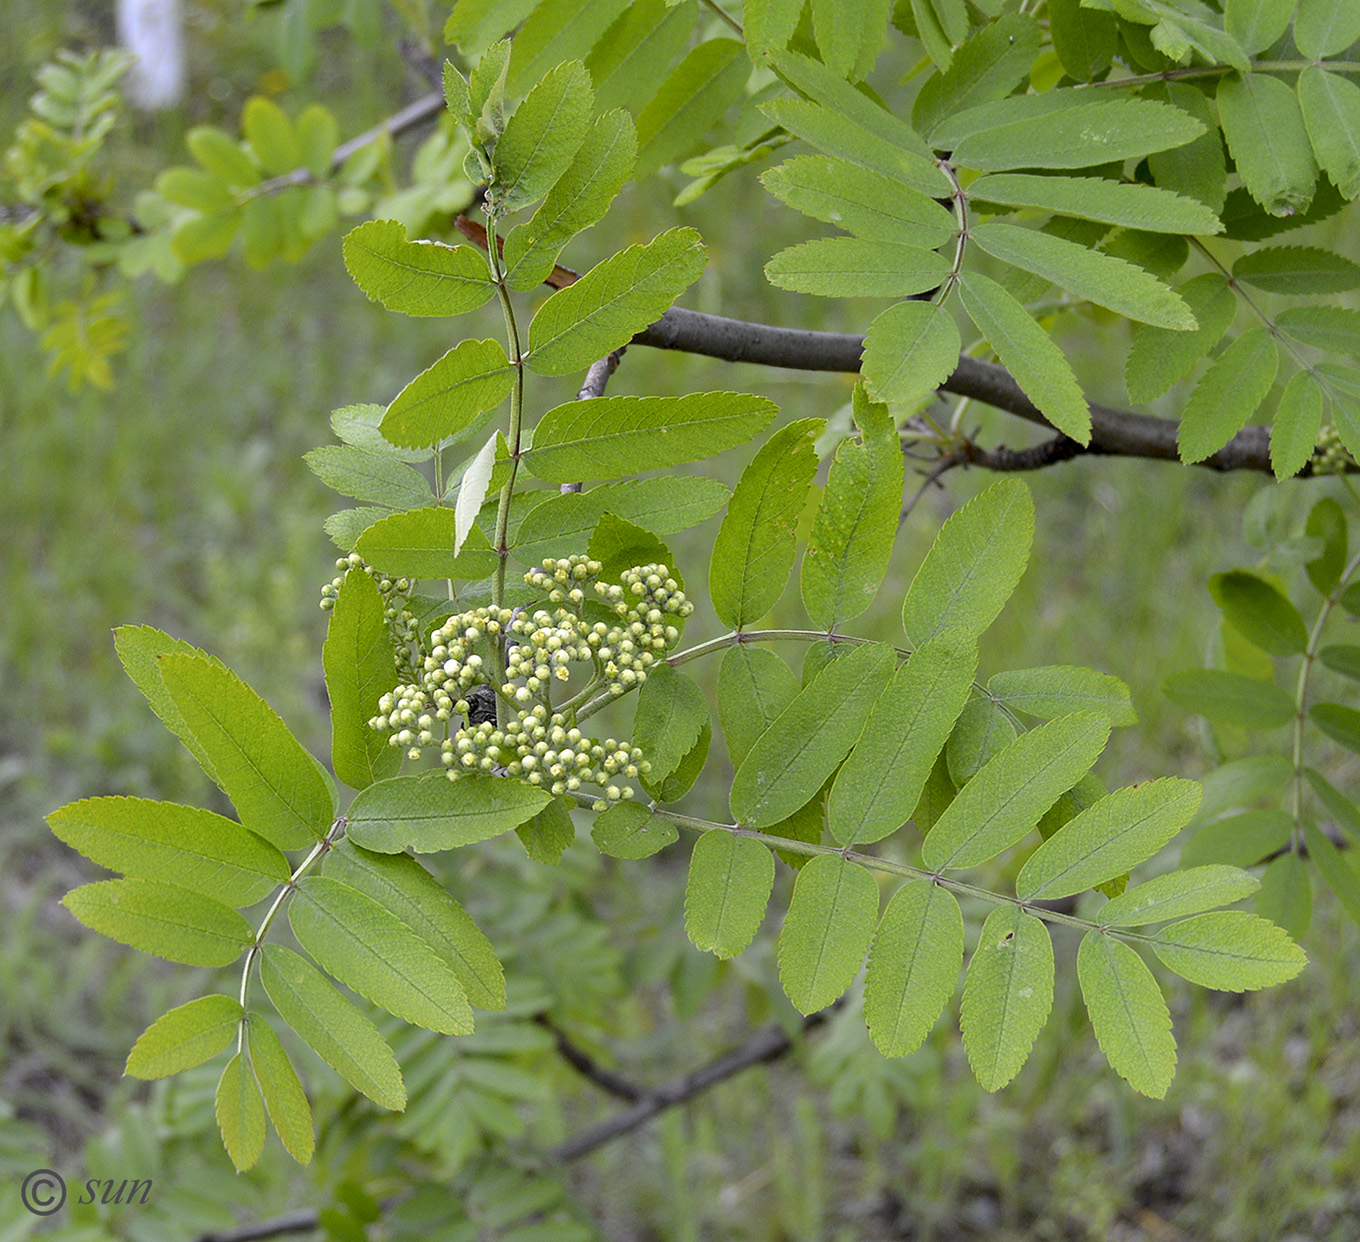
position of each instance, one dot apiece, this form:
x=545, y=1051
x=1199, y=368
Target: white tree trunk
x=152, y=31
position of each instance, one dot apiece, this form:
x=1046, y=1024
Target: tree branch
x=586, y=1065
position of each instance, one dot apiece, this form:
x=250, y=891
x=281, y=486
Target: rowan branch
x=586, y=1065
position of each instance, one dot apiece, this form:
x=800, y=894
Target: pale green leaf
x=753, y=552
x=1264, y=127
x=1228, y=394
x=826, y=932
x=1323, y=27
x=1259, y=611
x=1294, y=429
x=638, y=49
x=222, y=156
x=182, y=845
x=1162, y=356
x=1178, y=894
x=1327, y=523
x=1230, y=698
x=271, y=136
x=1229, y=950
x=1256, y=24
x=1058, y=690
x=1238, y=841
x=579, y=199
x=162, y=918
x=472, y=491
x=415, y=278
x=1130, y=1018
x=881, y=782
x=1006, y=798
x=1100, y=278
x=986, y=68
x=277, y=788
x=671, y=713
x=769, y=24
x=1300, y=271
x=1029, y=353
x=458, y=97
x=789, y=761
x=546, y=836
x=431, y=813
x=630, y=830
x=910, y=349
x=446, y=400
x=612, y=436
x=419, y=544
x=369, y=477
x=1341, y=808
x=367, y=948
x=358, y=425
x=842, y=267
x=974, y=564
x=240, y=1114
x=856, y=522
x=541, y=137
x=697, y=92
x=1340, y=658
x=730, y=879
x=1240, y=782
x=754, y=687
x=555, y=31
x=613, y=301
x=283, y=1093
x=1093, y=198
x=1285, y=897
x=983, y=730
x=185, y=1037
x=1341, y=724
x=1108, y=839
x=331, y=1026
x=1335, y=868
x=1007, y=994
x=913, y=966
x=357, y=658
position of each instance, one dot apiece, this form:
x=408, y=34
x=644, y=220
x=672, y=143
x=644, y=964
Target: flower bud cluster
x=1330, y=455
x=396, y=596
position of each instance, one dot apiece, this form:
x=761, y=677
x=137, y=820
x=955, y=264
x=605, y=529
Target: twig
x=586, y=1065
x=302, y=1221
x=941, y=468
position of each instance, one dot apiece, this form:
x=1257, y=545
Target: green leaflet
x=1108, y=839
x=613, y=436
x=373, y=478
x=1341, y=876
x=1006, y=995
x=445, y=401
x=1059, y=690
x=842, y=267
x=472, y=489
x=1256, y=24
x=431, y=813
x=1198, y=169
x=277, y=788
x=1327, y=522
x=1260, y=612
x=663, y=505
x=913, y=966
x=541, y=137
x=789, y=761
x=1331, y=113
x=630, y=830
x=1285, y=897
x=1191, y=890
x=1238, y=841
x=1341, y=724
x=769, y=24
x=679, y=782
x=240, y=1114
x=367, y=948
x=826, y=932
x=730, y=879
x=1340, y=807
x=880, y=784
x=1265, y=132
x=856, y=523
x=284, y=1097
x=271, y=136
x=162, y=918
x=1240, y=782
x=1301, y=271
x=1343, y=659
x=1074, y=136
x=850, y=33
x=357, y=658
x=1006, y=798
x=986, y=68
x=983, y=730
x=1083, y=39
x=580, y=198
x=1029, y=353
x=1093, y=198
x=399, y=884
x=1334, y=328
x=185, y=1037
x=221, y=156
x=182, y=845
x=415, y=278
x=973, y=565
x=1227, y=395
x=1230, y=698
x=1131, y=1020
x=671, y=714
x=555, y=31
x=930, y=27
x=754, y=687
x=753, y=552
x=910, y=349
x=698, y=91
x=331, y=1026
x=1229, y=950
x=546, y=836
x=860, y=201
x=358, y=425
x=638, y=49
x=619, y=544
x=1100, y=278
x=1162, y=356
x=1322, y=28
x=612, y=302
x=419, y=544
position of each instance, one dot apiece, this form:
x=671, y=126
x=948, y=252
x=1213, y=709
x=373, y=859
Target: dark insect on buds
x=481, y=702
